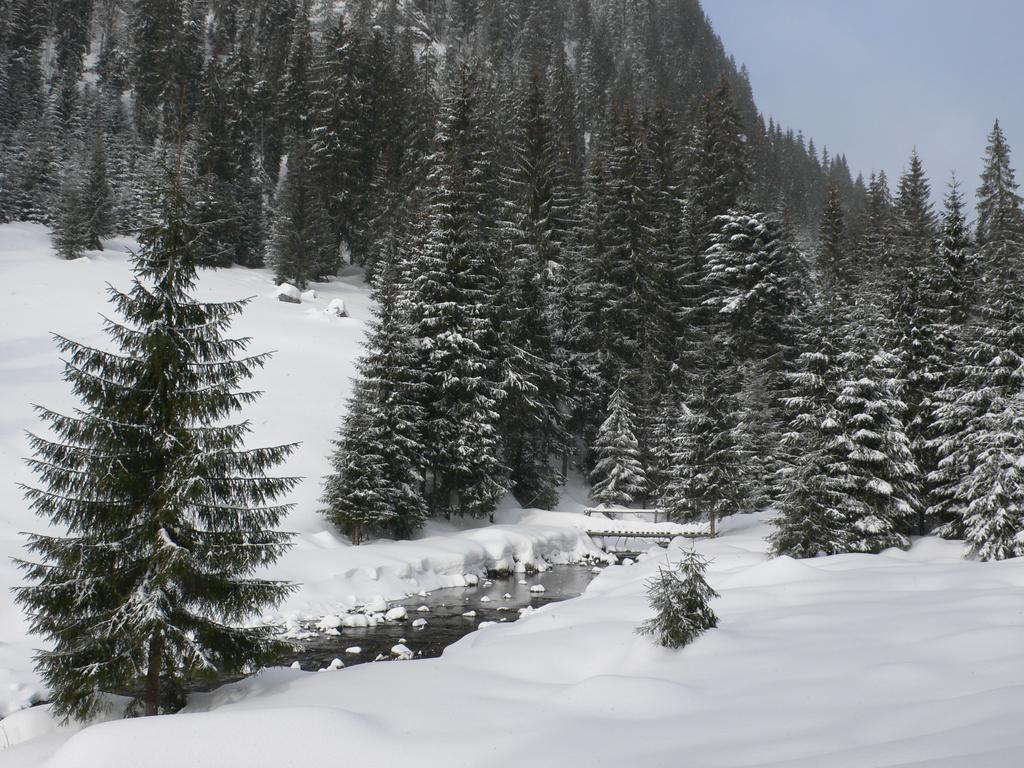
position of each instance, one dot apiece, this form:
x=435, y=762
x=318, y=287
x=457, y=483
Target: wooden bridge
x=613, y=525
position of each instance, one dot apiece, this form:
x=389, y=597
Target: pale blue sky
x=874, y=78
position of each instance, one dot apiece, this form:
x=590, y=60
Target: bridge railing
x=623, y=513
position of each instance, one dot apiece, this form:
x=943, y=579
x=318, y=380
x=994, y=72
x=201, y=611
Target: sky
x=872, y=79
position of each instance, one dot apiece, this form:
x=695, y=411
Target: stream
x=446, y=622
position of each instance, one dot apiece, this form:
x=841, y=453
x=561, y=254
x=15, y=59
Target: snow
x=900, y=659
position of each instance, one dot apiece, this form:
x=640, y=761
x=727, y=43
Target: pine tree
x=717, y=163
x=951, y=292
x=876, y=248
x=750, y=284
x=993, y=490
x=881, y=476
x=834, y=263
x=706, y=477
x=167, y=515
x=812, y=505
x=453, y=314
x=71, y=230
x=300, y=247
x=681, y=599
x=999, y=205
x=534, y=388
x=356, y=491
x=977, y=419
x=97, y=196
x=376, y=483
x=618, y=476
x=914, y=226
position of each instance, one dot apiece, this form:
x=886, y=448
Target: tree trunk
x=151, y=698
x=713, y=519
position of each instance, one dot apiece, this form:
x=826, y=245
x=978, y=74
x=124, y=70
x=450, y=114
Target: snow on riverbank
x=338, y=578
x=903, y=659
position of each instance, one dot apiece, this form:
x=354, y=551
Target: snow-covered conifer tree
x=681, y=598
x=706, y=478
x=376, y=483
x=168, y=516
x=618, y=476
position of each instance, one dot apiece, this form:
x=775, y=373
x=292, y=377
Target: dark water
x=445, y=622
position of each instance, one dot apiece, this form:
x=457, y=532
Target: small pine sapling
x=681, y=599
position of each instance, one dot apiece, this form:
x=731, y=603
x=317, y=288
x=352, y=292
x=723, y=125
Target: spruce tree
x=812, y=505
x=618, y=476
x=356, y=491
x=880, y=474
x=834, y=262
x=300, y=248
x=978, y=417
x=376, y=483
x=706, y=478
x=168, y=516
x=681, y=599
x=97, y=196
x=914, y=226
x=71, y=231
x=453, y=314
x=999, y=205
x=533, y=387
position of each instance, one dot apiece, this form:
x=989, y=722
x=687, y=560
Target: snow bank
x=898, y=659
x=338, y=579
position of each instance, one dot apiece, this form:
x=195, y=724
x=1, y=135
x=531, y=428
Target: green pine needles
x=681, y=599
x=167, y=517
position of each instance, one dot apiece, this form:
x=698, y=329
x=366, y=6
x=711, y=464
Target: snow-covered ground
x=903, y=659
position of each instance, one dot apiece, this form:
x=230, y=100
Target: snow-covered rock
x=469, y=614
x=288, y=293
x=337, y=308
x=336, y=664
x=401, y=652
x=328, y=623
x=536, y=588
x=310, y=295
x=423, y=609
x=419, y=623
x=485, y=599
x=353, y=650
x=377, y=604
x=398, y=613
